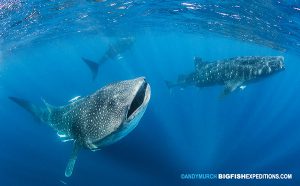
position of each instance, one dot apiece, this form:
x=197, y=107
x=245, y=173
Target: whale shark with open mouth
x=97, y=120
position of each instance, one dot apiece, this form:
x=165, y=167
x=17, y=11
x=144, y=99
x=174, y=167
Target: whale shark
x=97, y=120
x=114, y=51
x=231, y=73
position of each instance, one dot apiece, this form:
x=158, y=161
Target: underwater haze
x=189, y=130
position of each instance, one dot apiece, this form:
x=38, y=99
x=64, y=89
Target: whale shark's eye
x=138, y=100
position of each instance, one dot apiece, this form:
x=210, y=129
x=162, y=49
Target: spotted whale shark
x=97, y=120
x=114, y=51
x=232, y=73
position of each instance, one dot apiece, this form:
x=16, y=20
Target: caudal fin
x=36, y=111
x=170, y=84
x=181, y=82
x=93, y=66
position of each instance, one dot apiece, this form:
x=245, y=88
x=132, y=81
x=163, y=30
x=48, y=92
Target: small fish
x=243, y=87
x=62, y=182
x=74, y=99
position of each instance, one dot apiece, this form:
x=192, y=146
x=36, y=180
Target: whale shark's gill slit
x=138, y=100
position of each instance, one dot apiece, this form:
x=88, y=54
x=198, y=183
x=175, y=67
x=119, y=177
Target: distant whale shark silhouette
x=97, y=120
x=114, y=51
x=232, y=73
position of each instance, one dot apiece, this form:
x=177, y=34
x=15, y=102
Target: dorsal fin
x=198, y=63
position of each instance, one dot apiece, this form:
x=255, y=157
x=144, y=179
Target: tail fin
x=181, y=81
x=93, y=66
x=170, y=84
x=36, y=111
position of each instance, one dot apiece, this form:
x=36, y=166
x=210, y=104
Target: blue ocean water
x=255, y=130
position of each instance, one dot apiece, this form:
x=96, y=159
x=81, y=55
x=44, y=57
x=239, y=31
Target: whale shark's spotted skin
x=232, y=73
x=97, y=120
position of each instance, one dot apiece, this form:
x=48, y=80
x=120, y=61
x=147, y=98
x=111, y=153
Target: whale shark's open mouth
x=139, y=99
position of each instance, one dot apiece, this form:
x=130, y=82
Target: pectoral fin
x=72, y=160
x=230, y=86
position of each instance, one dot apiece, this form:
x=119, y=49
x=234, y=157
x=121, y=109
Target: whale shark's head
x=276, y=63
x=266, y=66
x=117, y=110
